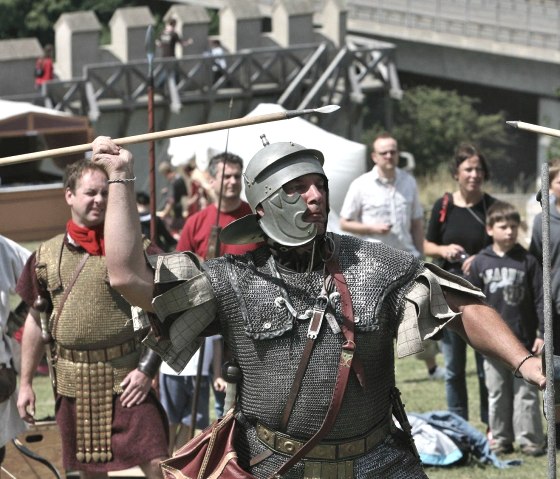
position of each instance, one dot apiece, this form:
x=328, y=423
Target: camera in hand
x=459, y=257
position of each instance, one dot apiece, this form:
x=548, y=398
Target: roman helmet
x=267, y=172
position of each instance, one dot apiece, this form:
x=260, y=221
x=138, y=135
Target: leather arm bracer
x=149, y=363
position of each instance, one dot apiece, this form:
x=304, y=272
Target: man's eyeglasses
x=388, y=152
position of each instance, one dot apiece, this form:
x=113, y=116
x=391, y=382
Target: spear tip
x=327, y=109
x=515, y=124
x=322, y=109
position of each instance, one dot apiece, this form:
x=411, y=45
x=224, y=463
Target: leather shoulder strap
x=344, y=367
x=77, y=271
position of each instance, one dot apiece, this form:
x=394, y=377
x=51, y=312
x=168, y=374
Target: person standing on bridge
x=167, y=42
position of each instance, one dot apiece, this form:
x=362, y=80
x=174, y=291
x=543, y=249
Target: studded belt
x=285, y=444
x=96, y=355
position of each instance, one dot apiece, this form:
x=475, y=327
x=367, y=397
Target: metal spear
x=161, y=135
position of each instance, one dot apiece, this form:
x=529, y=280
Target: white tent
x=14, y=108
x=344, y=159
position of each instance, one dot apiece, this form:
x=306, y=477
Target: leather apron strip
x=94, y=411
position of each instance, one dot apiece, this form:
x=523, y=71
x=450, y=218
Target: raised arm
x=128, y=271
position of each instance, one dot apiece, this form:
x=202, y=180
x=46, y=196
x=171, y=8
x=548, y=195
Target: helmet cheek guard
x=283, y=219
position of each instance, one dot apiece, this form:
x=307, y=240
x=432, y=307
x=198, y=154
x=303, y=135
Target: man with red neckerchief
x=107, y=413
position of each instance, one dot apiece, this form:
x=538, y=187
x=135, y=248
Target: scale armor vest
x=94, y=315
x=264, y=337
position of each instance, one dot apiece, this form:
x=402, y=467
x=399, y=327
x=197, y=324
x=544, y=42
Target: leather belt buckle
x=287, y=445
x=79, y=356
x=266, y=435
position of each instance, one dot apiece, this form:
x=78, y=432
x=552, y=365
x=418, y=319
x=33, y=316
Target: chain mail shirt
x=392, y=293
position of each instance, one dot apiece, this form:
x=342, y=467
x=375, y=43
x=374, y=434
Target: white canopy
x=344, y=159
x=14, y=108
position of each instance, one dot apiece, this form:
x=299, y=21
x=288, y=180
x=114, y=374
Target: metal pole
x=548, y=327
x=150, y=49
x=550, y=409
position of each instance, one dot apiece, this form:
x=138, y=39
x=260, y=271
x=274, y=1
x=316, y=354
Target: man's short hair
x=142, y=198
x=502, y=211
x=76, y=170
x=228, y=158
x=382, y=136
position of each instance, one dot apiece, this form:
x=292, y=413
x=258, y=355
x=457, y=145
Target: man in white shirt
x=383, y=204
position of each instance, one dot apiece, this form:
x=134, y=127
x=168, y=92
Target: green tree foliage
x=36, y=18
x=430, y=123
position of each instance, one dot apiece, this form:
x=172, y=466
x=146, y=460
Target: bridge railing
x=183, y=80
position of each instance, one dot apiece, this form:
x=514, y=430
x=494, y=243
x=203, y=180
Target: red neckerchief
x=91, y=239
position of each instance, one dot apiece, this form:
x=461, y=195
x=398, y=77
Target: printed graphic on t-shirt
x=510, y=280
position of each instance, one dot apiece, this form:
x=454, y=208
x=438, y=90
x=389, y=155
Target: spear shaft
x=162, y=135
x=521, y=125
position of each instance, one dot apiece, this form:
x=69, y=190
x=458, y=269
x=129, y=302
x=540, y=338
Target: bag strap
x=344, y=367
x=444, y=207
x=77, y=271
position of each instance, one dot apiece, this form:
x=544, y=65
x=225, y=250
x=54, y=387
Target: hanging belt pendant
x=319, y=308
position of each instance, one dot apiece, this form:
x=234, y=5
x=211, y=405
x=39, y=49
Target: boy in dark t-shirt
x=511, y=279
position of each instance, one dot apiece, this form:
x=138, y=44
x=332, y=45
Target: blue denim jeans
x=454, y=351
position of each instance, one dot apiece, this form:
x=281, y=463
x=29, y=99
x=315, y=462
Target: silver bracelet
x=122, y=180
x=516, y=372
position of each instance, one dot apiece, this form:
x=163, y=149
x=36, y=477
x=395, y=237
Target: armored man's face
x=312, y=188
